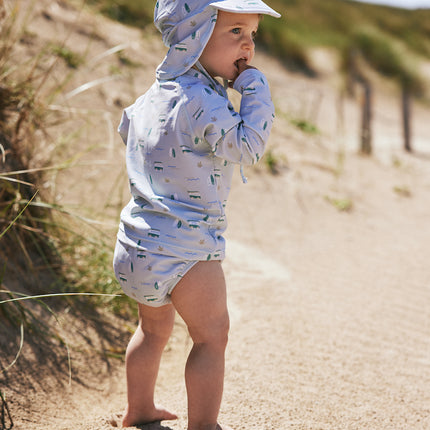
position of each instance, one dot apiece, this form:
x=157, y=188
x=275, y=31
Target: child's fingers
x=242, y=65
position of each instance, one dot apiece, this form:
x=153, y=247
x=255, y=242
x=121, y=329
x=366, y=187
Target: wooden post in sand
x=366, y=118
x=354, y=76
x=406, y=115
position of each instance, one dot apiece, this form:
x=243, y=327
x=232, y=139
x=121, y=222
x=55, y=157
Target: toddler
x=183, y=139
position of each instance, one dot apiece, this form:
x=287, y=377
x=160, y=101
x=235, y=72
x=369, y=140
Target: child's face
x=231, y=40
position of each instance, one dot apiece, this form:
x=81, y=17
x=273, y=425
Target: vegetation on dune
x=41, y=242
x=132, y=12
x=22, y=116
x=388, y=39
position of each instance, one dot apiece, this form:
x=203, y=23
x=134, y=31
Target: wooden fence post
x=366, y=118
x=406, y=114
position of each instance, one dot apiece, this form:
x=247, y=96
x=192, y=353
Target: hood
x=187, y=25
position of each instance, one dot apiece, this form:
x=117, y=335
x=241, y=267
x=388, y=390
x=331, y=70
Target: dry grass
x=48, y=254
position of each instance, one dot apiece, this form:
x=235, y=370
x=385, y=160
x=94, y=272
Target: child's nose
x=248, y=43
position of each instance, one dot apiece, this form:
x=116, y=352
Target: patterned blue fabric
x=183, y=140
x=186, y=27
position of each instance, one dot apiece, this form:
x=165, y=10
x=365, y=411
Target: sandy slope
x=330, y=309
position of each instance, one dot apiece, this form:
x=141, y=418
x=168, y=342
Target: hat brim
x=245, y=6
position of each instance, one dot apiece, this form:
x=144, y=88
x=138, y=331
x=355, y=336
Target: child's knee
x=215, y=333
x=157, y=324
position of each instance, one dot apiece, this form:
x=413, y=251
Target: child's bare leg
x=200, y=298
x=142, y=363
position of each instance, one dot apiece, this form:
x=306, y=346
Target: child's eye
x=236, y=30
x=254, y=35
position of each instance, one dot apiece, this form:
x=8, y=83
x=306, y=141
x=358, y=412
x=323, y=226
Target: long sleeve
x=183, y=141
x=246, y=141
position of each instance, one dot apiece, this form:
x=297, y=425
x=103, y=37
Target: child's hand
x=241, y=67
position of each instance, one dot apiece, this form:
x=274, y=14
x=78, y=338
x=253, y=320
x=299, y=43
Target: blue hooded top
x=183, y=139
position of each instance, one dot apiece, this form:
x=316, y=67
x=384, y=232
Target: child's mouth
x=236, y=63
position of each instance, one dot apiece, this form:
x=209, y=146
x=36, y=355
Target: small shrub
x=402, y=191
x=341, y=204
x=72, y=59
x=305, y=126
x=274, y=162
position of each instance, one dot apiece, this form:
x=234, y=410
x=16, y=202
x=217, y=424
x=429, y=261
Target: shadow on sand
x=153, y=426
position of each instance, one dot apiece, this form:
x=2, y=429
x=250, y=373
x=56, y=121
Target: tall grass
x=46, y=252
x=26, y=244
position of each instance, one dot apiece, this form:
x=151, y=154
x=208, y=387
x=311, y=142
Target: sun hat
x=245, y=6
x=187, y=25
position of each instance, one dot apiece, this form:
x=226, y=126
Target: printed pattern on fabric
x=186, y=27
x=148, y=278
x=183, y=139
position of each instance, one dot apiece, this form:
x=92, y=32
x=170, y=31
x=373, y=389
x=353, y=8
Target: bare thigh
x=201, y=300
x=156, y=322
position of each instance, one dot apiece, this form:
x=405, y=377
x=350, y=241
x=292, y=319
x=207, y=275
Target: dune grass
x=385, y=56
x=51, y=259
x=132, y=12
x=388, y=39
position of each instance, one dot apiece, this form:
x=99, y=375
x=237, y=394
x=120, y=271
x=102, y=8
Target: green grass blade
x=41, y=296
x=17, y=217
x=21, y=344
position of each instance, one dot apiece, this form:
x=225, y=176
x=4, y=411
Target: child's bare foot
x=145, y=417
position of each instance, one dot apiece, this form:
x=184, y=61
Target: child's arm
x=246, y=143
x=236, y=137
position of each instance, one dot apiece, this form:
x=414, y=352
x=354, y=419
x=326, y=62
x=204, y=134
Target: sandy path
x=344, y=343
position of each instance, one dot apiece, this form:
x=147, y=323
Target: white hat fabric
x=245, y=6
x=187, y=25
